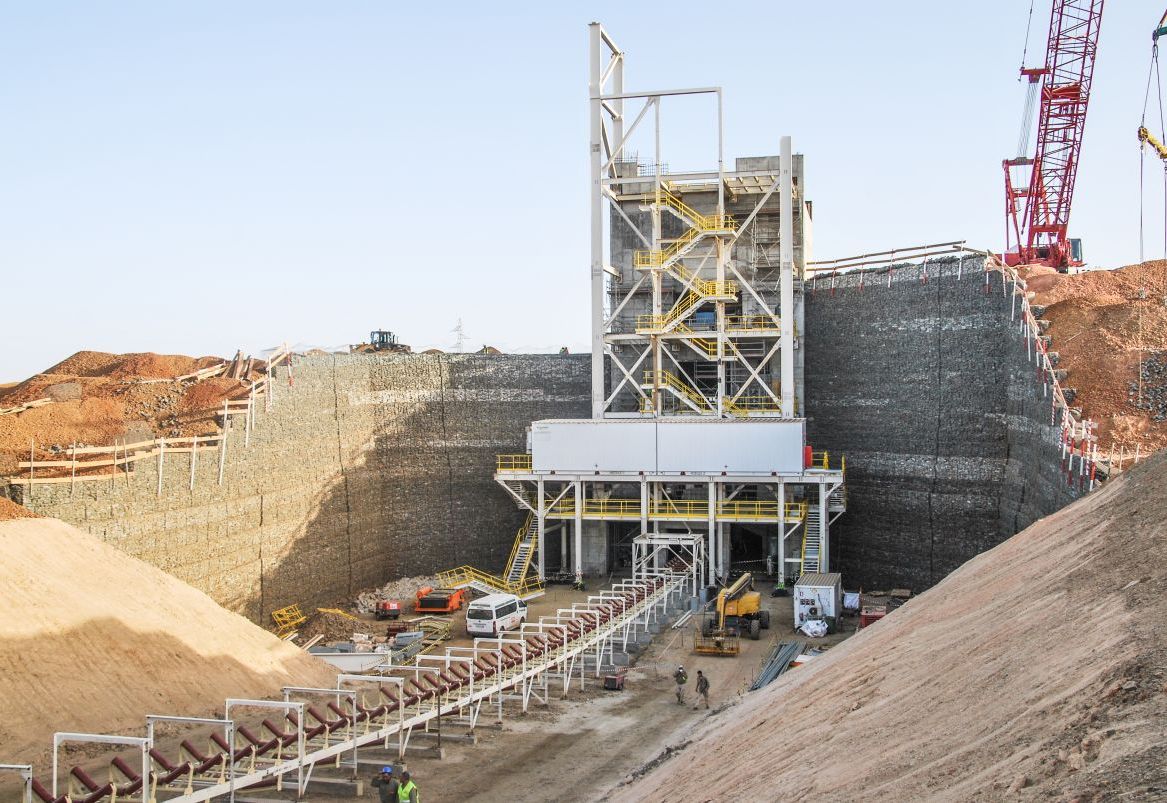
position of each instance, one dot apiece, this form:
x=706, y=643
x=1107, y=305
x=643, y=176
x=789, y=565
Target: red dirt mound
x=99, y=399
x=1104, y=325
x=11, y=510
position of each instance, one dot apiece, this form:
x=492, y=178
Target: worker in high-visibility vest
x=406, y=790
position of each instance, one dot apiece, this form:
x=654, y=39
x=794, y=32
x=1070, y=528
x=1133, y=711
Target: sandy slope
x=93, y=640
x=1037, y=670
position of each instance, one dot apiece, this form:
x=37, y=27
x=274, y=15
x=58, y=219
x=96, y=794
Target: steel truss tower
x=696, y=298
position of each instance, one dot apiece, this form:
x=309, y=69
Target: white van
x=495, y=613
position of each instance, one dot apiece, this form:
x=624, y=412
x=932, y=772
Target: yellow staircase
x=667, y=379
x=516, y=580
x=700, y=227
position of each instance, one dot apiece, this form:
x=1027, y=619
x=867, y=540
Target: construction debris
x=400, y=589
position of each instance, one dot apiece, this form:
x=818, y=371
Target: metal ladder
x=811, y=545
x=524, y=548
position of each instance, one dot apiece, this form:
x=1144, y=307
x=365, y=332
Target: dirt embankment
x=92, y=640
x=98, y=399
x=1036, y=671
x=1108, y=327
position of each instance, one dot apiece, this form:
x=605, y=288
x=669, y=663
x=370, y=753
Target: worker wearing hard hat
x=386, y=785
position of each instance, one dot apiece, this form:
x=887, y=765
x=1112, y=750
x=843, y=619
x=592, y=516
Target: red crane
x=1037, y=215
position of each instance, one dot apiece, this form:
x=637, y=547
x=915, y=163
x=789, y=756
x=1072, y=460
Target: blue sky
x=197, y=177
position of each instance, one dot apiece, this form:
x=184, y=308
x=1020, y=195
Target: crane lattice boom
x=1039, y=215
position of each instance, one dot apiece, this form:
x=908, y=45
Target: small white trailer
x=818, y=595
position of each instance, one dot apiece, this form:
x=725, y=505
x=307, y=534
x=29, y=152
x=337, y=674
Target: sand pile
x=93, y=640
x=100, y=399
x=1038, y=670
x=1101, y=324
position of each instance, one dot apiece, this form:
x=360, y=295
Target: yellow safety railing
x=820, y=460
x=525, y=533
x=802, y=558
x=287, y=618
x=744, y=405
x=465, y=575
x=742, y=510
x=713, y=222
x=669, y=380
x=751, y=323
x=704, y=344
x=513, y=462
x=655, y=259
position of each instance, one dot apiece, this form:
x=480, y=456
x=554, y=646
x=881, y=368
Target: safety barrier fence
x=79, y=463
x=320, y=728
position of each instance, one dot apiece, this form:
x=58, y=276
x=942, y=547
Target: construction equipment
x=387, y=609
x=439, y=600
x=287, y=619
x=738, y=611
x=382, y=340
x=1037, y=215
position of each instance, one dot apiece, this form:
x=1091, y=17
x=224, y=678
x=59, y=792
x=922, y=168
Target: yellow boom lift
x=738, y=612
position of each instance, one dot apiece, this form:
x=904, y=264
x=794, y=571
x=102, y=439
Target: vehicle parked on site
x=495, y=613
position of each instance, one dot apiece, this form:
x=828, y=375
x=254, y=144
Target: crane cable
x=1153, y=70
x=1025, y=48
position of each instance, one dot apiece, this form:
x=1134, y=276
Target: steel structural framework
x=688, y=292
x=695, y=302
x=1038, y=215
x=668, y=520
x=315, y=729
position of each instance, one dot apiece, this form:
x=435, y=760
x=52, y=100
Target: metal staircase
x=524, y=549
x=516, y=581
x=679, y=388
x=811, y=543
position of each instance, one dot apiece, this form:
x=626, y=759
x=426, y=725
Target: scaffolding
x=696, y=303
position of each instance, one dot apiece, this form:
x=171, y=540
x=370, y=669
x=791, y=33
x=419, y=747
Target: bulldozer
x=737, y=612
x=381, y=340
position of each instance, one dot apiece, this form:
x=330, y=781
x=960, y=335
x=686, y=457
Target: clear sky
x=193, y=177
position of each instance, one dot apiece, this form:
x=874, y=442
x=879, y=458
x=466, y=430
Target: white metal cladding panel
x=584, y=445
x=756, y=447
x=751, y=447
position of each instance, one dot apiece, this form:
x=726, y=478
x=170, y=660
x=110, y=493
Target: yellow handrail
x=712, y=222
x=792, y=512
x=670, y=380
x=464, y=575
x=744, y=405
x=519, y=538
x=702, y=343
x=751, y=323
x=513, y=462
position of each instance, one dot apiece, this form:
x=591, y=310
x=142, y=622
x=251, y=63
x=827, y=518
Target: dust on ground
x=1036, y=671
x=1104, y=325
x=579, y=747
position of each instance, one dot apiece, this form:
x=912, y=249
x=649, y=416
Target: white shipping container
x=817, y=595
x=668, y=446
